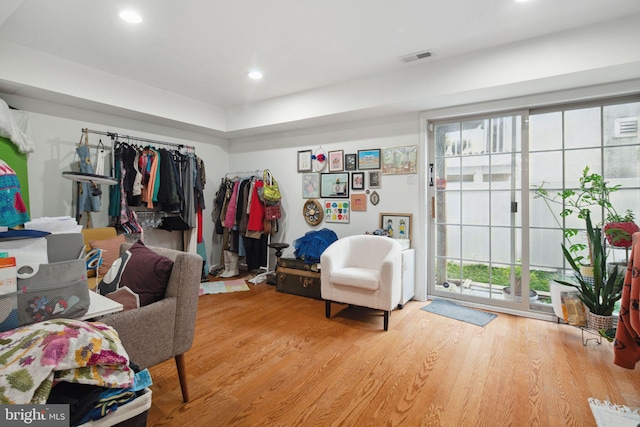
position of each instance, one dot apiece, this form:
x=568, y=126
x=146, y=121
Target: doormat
x=450, y=309
x=607, y=414
x=224, y=287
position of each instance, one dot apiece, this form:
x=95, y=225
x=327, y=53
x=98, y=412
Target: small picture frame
x=310, y=185
x=374, y=179
x=397, y=225
x=304, y=161
x=358, y=202
x=368, y=159
x=337, y=211
x=357, y=180
x=350, y=162
x=374, y=198
x=334, y=185
x=336, y=161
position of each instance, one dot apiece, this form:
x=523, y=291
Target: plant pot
x=597, y=322
x=619, y=233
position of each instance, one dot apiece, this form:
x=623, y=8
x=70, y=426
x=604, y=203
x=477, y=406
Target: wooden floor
x=264, y=358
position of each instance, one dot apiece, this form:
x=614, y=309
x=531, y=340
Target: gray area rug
x=455, y=311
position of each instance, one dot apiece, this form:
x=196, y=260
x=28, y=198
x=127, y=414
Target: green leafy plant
x=601, y=292
x=593, y=191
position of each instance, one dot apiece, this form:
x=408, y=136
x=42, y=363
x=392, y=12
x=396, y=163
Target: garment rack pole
x=114, y=135
x=257, y=172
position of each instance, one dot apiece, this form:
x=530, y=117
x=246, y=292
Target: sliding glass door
x=477, y=213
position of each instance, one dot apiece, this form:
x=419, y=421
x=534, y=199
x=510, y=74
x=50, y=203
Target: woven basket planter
x=597, y=322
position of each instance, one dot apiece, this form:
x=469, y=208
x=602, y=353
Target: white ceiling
x=201, y=50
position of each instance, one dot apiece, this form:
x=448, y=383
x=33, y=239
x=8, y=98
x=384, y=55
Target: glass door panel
x=477, y=225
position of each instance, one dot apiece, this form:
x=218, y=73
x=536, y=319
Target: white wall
x=55, y=141
x=398, y=193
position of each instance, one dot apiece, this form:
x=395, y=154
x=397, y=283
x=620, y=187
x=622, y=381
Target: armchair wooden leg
x=386, y=320
x=182, y=375
x=327, y=308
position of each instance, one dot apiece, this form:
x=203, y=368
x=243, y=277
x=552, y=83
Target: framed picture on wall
x=334, y=185
x=349, y=162
x=368, y=159
x=397, y=225
x=400, y=160
x=374, y=179
x=336, y=161
x=337, y=211
x=357, y=180
x=304, y=161
x=310, y=185
x=359, y=202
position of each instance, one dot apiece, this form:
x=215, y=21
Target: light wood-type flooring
x=265, y=358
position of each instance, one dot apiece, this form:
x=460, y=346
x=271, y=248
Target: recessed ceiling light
x=255, y=75
x=131, y=16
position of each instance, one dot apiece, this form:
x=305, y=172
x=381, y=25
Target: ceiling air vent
x=415, y=56
x=625, y=126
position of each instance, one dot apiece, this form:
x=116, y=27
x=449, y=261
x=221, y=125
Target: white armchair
x=362, y=270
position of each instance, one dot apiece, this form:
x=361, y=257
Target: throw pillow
x=146, y=273
x=126, y=297
x=111, y=281
x=110, y=251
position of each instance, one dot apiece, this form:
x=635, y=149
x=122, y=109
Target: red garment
x=626, y=348
x=256, y=212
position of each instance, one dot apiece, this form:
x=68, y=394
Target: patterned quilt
x=34, y=357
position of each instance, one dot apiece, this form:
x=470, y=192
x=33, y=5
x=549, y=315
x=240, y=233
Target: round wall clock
x=312, y=212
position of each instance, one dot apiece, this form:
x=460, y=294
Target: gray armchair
x=164, y=329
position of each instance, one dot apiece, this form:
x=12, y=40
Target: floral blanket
x=35, y=356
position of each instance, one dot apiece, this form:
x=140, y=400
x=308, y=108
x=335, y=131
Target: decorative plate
x=312, y=212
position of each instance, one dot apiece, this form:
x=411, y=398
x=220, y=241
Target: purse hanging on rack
x=271, y=190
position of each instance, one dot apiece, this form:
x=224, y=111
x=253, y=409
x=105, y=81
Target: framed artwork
x=349, y=162
x=336, y=161
x=337, y=211
x=400, y=160
x=334, y=185
x=310, y=185
x=358, y=202
x=397, y=225
x=369, y=159
x=357, y=180
x=374, y=198
x=304, y=161
x=374, y=179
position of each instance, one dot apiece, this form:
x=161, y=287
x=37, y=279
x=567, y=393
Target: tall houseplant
x=600, y=293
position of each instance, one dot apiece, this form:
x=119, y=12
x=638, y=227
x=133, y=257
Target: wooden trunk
x=295, y=277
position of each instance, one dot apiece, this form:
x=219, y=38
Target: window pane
x=505, y=171
x=621, y=124
x=545, y=132
x=575, y=162
x=448, y=241
x=500, y=248
x=501, y=214
x=475, y=137
x=449, y=211
x=475, y=207
x=545, y=168
x=582, y=128
x=621, y=162
x=475, y=243
x=545, y=248
x=447, y=138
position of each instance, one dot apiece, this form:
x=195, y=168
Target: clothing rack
x=115, y=136
x=245, y=174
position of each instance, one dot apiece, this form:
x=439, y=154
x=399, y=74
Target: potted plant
x=600, y=294
x=593, y=191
